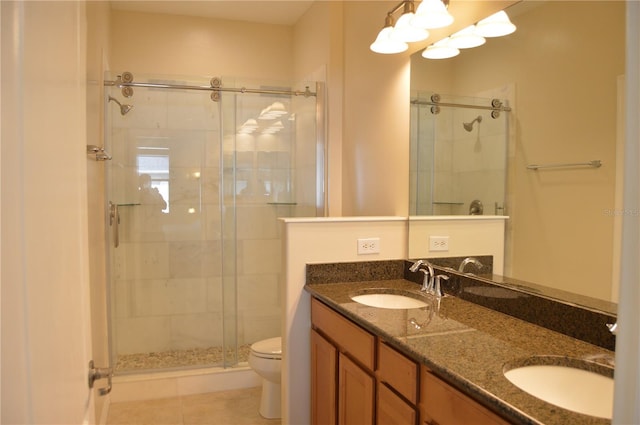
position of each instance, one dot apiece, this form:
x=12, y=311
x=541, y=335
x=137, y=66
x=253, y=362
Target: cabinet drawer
x=392, y=410
x=349, y=337
x=442, y=404
x=398, y=371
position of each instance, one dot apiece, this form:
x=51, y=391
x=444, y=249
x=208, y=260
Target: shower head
x=124, y=109
x=469, y=125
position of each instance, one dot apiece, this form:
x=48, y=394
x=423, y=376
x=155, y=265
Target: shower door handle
x=114, y=222
x=96, y=373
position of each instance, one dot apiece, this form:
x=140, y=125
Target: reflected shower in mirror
x=459, y=155
x=563, y=75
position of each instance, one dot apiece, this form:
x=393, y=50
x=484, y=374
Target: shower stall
x=200, y=172
x=458, y=154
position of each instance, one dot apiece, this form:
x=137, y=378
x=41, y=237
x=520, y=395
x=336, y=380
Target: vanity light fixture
x=248, y=127
x=467, y=38
x=384, y=44
x=411, y=26
x=432, y=14
x=404, y=31
x=273, y=111
x=441, y=50
x=496, y=25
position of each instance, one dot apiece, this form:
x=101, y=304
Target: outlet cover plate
x=438, y=243
x=368, y=246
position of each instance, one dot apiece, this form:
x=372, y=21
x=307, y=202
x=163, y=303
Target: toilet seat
x=268, y=349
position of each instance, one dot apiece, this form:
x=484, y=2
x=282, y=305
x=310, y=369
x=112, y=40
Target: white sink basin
x=392, y=301
x=573, y=389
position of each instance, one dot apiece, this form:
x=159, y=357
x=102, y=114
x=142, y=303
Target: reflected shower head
x=469, y=125
x=123, y=108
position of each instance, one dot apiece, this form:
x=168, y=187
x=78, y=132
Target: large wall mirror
x=562, y=74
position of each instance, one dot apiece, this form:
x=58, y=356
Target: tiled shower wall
x=168, y=270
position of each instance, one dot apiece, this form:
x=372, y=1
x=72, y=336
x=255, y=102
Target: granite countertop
x=468, y=346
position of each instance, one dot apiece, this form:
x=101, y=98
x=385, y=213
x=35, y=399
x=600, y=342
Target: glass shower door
x=269, y=170
x=197, y=187
x=167, y=281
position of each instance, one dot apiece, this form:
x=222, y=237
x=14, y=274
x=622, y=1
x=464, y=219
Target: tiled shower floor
x=210, y=356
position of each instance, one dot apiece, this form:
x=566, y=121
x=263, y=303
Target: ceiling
x=280, y=12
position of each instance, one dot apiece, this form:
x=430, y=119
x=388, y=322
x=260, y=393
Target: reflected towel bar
x=593, y=164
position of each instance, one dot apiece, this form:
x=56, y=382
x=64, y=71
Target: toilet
x=266, y=360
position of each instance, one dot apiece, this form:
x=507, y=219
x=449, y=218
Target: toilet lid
x=271, y=347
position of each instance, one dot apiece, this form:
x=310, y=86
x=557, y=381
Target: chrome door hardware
x=99, y=152
x=96, y=373
x=114, y=222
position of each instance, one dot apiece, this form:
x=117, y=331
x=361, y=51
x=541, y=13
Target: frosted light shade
x=432, y=14
x=466, y=38
x=404, y=31
x=277, y=109
x=440, y=50
x=496, y=25
x=385, y=45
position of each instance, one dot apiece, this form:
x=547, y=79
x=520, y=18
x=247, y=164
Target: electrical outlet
x=368, y=246
x=438, y=243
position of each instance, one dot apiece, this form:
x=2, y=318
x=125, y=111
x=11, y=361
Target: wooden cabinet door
x=356, y=394
x=442, y=404
x=324, y=359
x=392, y=410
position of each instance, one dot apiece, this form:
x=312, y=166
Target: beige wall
x=563, y=112
x=183, y=45
x=376, y=118
x=318, y=55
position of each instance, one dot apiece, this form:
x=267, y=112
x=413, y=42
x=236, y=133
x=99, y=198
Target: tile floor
x=235, y=407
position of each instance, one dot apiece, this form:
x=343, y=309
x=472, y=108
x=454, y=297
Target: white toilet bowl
x=266, y=360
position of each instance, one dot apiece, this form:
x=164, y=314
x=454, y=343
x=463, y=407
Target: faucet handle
x=438, y=289
x=427, y=282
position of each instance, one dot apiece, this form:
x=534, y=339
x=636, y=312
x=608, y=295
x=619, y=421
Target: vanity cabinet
x=342, y=364
x=356, y=391
x=397, y=387
x=324, y=363
x=441, y=404
x=393, y=410
x=357, y=378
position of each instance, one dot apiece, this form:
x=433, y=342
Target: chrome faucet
x=416, y=265
x=427, y=283
x=469, y=260
x=437, y=291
